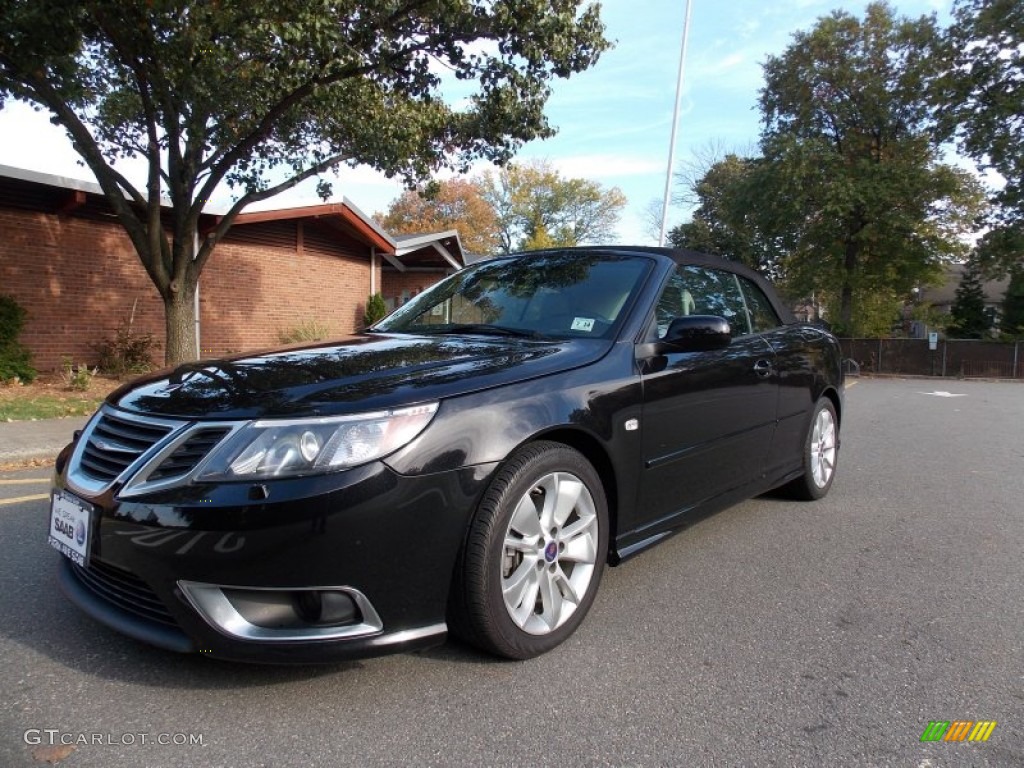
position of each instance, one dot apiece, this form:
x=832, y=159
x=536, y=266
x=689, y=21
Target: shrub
x=16, y=364
x=12, y=319
x=376, y=310
x=76, y=378
x=308, y=330
x=15, y=359
x=126, y=353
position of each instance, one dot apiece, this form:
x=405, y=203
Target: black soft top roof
x=684, y=256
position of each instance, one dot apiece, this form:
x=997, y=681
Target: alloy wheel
x=823, y=448
x=550, y=553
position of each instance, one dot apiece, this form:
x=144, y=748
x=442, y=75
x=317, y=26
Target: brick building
x=67, y=261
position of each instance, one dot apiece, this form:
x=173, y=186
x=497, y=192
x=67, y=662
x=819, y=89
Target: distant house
x=942, y=296
x=67, y=261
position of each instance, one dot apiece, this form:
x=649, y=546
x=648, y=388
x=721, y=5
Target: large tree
x=263, y=95
x=848, y=141
x=455, y=203
x=1011, y=321
x=980, y=99
x=537, y=207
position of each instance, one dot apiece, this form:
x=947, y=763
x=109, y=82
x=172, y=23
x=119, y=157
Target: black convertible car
x=469, y=464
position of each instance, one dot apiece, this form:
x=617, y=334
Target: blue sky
x=614, y=121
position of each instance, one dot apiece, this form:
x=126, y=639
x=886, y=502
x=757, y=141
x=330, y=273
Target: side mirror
x=698, y=333
x=693, y=333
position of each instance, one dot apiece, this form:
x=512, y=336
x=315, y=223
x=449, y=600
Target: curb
x=922, y=377
x=35, y=443
x=28, y=463
x=10, y=460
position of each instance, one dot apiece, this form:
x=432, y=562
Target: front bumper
x=161, y=564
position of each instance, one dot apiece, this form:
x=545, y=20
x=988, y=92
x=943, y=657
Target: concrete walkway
x=24, y=442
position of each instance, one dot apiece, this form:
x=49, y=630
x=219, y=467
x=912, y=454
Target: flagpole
x=675, y=128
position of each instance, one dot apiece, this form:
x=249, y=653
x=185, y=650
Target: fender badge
x=632, y=425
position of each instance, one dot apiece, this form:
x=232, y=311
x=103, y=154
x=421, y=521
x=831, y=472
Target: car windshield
x=555, y=294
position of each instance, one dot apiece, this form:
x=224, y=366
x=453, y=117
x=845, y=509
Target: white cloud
x=476, y=168
x=728, y=64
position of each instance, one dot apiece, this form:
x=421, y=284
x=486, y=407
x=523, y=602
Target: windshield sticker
x=583, y=324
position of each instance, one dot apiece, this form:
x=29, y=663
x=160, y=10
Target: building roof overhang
x=435, y=250
x=344, y=213
x=62, y=194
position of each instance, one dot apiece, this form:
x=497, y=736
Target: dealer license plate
x=70, y=526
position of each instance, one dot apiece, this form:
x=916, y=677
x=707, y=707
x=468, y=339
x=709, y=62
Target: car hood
x=365, y=373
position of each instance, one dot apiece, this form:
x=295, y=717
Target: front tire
x=821, y=452
x=534, y=555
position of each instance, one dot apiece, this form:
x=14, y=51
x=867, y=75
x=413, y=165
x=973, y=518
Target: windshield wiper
x=478, y=328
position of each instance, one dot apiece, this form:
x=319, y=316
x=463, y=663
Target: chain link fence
x=959, y=358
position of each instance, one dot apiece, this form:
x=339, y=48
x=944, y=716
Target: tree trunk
x=846, y=296
x=846, y=307
x=180, y=318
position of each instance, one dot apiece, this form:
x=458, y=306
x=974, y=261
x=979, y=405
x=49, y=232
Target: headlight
x=287, y=448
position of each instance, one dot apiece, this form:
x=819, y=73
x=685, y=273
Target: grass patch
x=49, y=397
x=48, y=407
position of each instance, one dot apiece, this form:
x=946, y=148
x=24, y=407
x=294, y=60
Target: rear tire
x=533, y=558
x=821, y=453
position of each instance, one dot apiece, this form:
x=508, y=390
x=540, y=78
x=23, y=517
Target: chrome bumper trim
x=212, y=604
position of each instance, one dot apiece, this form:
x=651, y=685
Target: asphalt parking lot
x=775, y=633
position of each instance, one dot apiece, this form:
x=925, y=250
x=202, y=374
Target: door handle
x=763, y=368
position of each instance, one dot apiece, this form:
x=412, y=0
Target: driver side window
x=694, y=290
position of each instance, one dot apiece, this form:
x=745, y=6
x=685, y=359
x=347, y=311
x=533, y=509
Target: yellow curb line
x=37, y=497
x=25, y=480
x=850, y=384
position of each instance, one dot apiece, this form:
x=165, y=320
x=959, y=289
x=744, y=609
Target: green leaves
x=262, y=95
x=359, y=80
x=538, y=208
x=849, y=146
x=849, y=200
x=980, y=98
x=521, y=207
x=1011, y=321
x=730, y=219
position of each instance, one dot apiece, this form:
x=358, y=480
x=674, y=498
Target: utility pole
x=675, y=128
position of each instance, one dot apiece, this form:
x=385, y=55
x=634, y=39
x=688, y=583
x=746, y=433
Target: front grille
x=186, y=456
x=124, y=589
x=115, y=443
